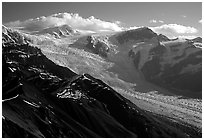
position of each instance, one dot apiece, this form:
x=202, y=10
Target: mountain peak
x=139, y=34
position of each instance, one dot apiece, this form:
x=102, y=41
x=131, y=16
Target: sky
x=172, y=19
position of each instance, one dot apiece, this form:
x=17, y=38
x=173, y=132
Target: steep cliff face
x=176, y=65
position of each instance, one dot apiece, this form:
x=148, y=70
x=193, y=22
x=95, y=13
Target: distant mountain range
x=59, y=83
x=58, y=31
x=175, y=65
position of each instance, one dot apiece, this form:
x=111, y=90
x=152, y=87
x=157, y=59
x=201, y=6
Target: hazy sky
x=129, y=14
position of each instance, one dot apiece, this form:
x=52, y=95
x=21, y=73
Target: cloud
x=73, y=20
x=172, y=30
x=133, y=27
x=153, y=21
x=92, y=24
x=187, y=36
x=200, y=21
x=184, y=16
x=118, y=22
x=156, y=21
x=161, y=21
x=175, y=28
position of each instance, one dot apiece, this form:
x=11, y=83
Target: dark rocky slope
x=175, y=78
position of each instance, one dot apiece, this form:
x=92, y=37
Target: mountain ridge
x=58, y=31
